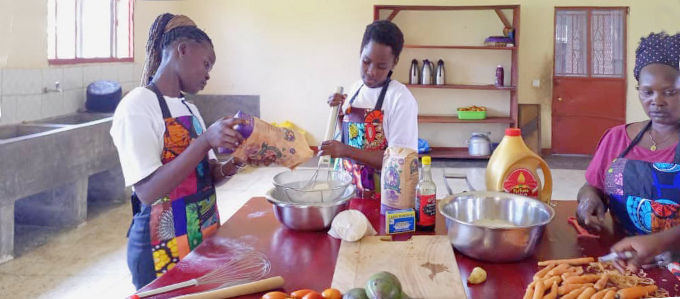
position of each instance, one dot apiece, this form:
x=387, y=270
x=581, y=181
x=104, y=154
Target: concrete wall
x=24, y=70
x=294, y=52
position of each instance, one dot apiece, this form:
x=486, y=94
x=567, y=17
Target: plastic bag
x=351, y=226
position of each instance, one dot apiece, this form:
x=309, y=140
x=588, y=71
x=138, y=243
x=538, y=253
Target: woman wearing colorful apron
x=165, y=152
x=381, y=112
x=635, y=172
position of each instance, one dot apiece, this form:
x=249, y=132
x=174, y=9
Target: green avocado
x=384, y=285
x=356, y=293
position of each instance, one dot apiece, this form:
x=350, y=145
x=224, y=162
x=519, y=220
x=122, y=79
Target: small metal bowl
x=311, y=185
x=495, y=226
x=308, y=216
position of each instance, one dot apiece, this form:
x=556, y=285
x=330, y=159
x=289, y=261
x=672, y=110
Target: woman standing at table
x=165, y=150
x=381, y=112
x=635, y=172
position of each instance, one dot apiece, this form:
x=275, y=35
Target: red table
x=307, y=259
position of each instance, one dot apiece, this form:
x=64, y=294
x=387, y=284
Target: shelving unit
x=510, y=120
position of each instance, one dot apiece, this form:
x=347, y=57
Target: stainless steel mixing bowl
x=495, y=226
x=308, y=216
x=306, y=186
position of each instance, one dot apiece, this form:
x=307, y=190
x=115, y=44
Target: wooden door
x=589, y=76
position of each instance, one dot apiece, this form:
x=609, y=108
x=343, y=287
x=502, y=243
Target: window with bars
x=81, y=31
x=589, y=42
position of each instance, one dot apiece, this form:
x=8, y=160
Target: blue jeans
x=139, y=258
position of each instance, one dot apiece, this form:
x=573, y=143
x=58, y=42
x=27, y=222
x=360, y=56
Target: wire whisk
x=241, y=268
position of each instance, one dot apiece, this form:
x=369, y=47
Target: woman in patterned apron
x=381, y=112
x=635, y=172
x=165, y=152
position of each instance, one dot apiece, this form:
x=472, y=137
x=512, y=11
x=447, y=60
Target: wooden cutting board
x=425, y=265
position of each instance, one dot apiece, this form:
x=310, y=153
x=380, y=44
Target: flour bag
x=398, y=179
x=263, y=142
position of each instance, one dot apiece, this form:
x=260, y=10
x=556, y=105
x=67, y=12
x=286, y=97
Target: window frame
x=78, y=39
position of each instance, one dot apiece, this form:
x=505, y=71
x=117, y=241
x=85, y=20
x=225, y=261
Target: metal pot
x=479, y=144
x=495, y=226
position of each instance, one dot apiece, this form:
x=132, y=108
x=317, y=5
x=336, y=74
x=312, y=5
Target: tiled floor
x=90, y=261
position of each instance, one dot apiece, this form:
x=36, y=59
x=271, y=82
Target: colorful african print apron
x=644, y=197
x=362, y=128
x=188, y=214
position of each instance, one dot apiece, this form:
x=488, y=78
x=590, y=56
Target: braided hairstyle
x=658, y=48
x=384, y=32
x=166, y=29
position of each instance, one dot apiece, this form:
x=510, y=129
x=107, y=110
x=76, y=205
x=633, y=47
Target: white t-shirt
x=138, y=129
x=400, y=120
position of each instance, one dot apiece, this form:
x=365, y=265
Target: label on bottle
x=521, y=181
x=427, y=208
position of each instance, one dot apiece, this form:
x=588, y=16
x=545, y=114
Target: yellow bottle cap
x=427, y=160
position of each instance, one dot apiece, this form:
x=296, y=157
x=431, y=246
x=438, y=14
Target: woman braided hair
x=166, y=29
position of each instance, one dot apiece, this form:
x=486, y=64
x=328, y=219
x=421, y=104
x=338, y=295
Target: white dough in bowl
x=351, y=226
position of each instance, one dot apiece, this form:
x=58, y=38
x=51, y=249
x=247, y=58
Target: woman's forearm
x=170, y=175
x=671, y=238
x=371, y=158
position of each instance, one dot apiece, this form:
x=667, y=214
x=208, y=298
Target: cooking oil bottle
x=426, y=203
x=512, y=168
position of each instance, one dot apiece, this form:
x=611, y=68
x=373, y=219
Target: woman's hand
x=645, y=250
x=222, y=134
x=591, y=209
x=334, y=148
x=336, y=99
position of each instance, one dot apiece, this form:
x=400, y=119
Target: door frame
x=589, y=53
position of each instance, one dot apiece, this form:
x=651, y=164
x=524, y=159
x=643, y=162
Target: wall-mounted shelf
x=451, y=119
x=463, y=86
x=459, y=47
x=389, y=12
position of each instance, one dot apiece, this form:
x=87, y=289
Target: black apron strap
x=381, y=98
x=637, y=139
x=161, y=100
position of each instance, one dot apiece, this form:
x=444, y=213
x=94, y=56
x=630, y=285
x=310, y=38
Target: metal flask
x=414, y=73
x=426, y=74
x=440, y=77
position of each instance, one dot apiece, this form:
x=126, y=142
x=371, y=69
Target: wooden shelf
x=454, y=119
x=451, y=152
x=459, y=47
x=463, y=86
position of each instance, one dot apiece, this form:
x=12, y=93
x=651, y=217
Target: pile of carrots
x=566, y=279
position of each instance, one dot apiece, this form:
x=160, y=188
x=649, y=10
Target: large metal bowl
x=311, y=185
x=307, y=216
x=495, y=226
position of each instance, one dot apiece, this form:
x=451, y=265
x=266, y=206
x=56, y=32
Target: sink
x=15, y=131
x=75, y=118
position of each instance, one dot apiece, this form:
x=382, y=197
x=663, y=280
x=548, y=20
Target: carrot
x=562, y=268
x=549, y=281
x=545, y=270
x=635, y=292
x=566, y=288
x=573, y=262
x=539, y=290
x=610, y=295
x=530, y=291
x=553, y=292
x=602, y=282
x=569, y=274
x=587, y=293
x=600, y=294
x=574, y=294
x=583, y=278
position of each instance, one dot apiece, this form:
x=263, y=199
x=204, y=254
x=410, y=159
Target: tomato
x=313, y=295
x=300, y=293
x=331, y=294
x=275, y=295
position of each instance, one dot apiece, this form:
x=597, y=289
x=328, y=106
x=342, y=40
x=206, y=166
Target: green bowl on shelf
x=471, y=114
